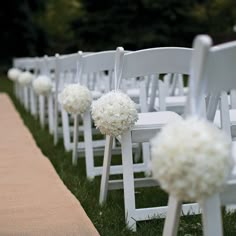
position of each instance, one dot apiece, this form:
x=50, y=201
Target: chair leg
x=50, y=114
x=55, y=122
x=88, y=141
x=42, y=110
x=172, y=217
x=33, y=102
x=128, y=179
x=105, y=170
x=75, y=140
x=211, y=216
x=66, y=130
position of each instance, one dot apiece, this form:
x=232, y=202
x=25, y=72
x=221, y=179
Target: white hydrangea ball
x=13, y=73
x=114, y=113
x=42, y=85
x=191, y=159
x=25, y=78
x=75, y=98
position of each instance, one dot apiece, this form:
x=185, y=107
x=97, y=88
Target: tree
x=56, y=22
x=134, y=24
x=20, y=35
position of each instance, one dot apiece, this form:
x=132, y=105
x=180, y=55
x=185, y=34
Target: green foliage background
x=38, y=27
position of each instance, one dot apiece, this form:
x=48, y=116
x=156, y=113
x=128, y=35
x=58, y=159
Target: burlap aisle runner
x=33, y=199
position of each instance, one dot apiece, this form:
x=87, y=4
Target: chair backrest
x=66, y=69
x=26, y=63
x=96, y=69
x=213, y=74
x=68, y=62
x=153, y=62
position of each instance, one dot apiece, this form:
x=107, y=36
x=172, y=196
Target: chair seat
x=96, y=94
x=150, y=123
x=155, y=119
x=173, y=101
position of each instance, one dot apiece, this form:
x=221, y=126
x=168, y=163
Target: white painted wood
x=106, y=170
x=227, y=195
x=66, y=130
x=211, y=214
x=172, y=217
x=154, y=89
x=137, y=64
x=224, y=114
x=160, y=212
x=128, y=178
x=50, y=113
x=233, y=99
x=56, y=105
x=75, y=139
x=42, y=111
x=88, y=140
x=212, y=73
x=33, y=102
x=138, y=183
x=161, y=60
x=91, y=70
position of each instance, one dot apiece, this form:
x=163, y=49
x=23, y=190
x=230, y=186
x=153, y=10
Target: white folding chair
x=43, y=69
x=20, y=91
x=137, y=64
x=213, y=71
x=65, y=73
x=27, y=95
x=50, y=100
x=101, y=66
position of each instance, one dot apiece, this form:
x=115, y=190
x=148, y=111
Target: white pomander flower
x=191, y=159
x=114, y=113
x=42, y=85
x=25, y=78
x=13, y=74
x=75, y=98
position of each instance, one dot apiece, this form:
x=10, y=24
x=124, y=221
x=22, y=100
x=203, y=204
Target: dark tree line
x=37, y=27
x=20, y=34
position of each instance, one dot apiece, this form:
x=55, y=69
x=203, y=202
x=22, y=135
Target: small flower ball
x=13, y=74
x=191, y=159
x=25, y=78
x=42, y=85
x=75, y=98
x=114, y=113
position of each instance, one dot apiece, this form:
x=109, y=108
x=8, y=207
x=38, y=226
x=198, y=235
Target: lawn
x=108, y=219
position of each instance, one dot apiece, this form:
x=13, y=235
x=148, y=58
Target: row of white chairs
x=153, y=78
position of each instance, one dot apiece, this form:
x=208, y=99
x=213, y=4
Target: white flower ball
x=42, y=85
x=75, y=98
x=114, y=113
x=13, y=73
x=191, y=159
x=25, y=78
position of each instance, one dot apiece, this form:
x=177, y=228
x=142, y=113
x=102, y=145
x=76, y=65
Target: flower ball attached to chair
x=25, y=78
x=114, y=113
x=42, y=85
x=75, y=99
x=13, y=74
x=191, y=159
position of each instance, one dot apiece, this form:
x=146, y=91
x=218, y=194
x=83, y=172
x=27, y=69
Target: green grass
x=109, y=219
